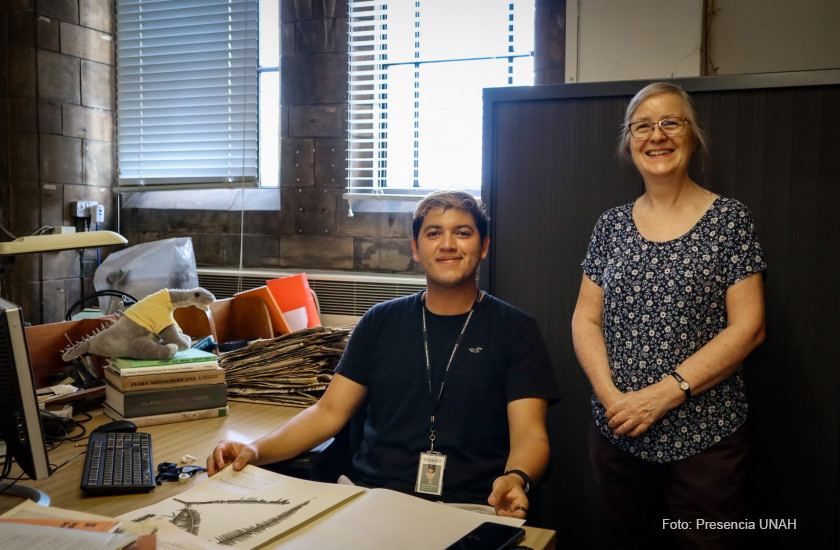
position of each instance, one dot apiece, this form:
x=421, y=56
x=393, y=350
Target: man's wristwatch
x=526, y=479
x=684, y=385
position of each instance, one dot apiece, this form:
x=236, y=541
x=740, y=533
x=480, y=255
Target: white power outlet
x=97, y=212
x=81, y=209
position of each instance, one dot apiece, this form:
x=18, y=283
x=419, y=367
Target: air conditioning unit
x=343, y=297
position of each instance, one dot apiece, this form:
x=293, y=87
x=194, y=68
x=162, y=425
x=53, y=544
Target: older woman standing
x=670, y=304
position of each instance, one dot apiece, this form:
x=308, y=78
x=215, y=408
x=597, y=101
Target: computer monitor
x=20, y=420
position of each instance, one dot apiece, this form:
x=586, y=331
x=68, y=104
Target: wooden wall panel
x=550, y=169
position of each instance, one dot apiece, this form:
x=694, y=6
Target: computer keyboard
x=118, y=463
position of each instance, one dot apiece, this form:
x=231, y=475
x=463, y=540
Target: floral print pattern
x=663, y=301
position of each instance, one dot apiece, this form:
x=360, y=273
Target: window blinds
x=367, y=103
x=416, y=73
x=186, y=93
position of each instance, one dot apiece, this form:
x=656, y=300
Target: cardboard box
x=46, y=342
x=227, y=320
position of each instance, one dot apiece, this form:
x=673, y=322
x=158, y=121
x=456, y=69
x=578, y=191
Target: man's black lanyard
x=435, y=403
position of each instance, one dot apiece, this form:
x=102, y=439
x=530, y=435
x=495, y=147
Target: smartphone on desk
x=489, y=536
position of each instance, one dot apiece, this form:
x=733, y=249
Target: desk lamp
x=34, y=244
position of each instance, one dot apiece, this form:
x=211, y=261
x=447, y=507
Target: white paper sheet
x=248, y=508
x=381, y=519
x=296, y=318
x=169, y=537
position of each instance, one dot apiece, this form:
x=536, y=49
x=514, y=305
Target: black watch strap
x=528, y=482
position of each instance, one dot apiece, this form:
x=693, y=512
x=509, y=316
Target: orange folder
x=278, y=322
x=293, y=292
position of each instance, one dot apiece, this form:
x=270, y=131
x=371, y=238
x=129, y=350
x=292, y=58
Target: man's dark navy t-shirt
x=501, y=358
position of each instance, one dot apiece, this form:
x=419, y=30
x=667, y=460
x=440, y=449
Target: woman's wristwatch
x=684, y=385
x=526, y=479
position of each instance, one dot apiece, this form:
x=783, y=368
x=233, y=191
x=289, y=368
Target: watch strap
x=528, y=482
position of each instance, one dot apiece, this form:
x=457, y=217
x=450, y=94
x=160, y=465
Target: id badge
x=430, y=473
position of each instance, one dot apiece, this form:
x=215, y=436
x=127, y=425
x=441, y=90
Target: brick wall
x=57, y=136
x=550, y=42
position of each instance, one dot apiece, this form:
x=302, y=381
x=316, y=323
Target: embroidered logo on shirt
x=475, y=350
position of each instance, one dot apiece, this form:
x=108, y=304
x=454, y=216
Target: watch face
x=684, y=385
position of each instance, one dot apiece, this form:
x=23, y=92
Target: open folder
x=256, y=508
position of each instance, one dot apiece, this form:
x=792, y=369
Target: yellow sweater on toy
x=156, y=313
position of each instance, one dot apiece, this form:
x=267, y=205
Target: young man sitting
x=454, y=378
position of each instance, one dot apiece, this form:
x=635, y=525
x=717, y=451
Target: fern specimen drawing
x=188, y=518
x=239, y=535
x=246, y=509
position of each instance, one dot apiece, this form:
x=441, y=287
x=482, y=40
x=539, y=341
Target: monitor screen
x=20, y=421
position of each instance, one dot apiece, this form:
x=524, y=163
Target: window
x=417, y=70
x=187, y=88
x=269, y=93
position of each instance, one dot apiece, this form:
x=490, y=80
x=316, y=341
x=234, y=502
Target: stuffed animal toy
x=146, y=330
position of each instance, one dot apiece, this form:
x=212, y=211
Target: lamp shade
x=61, y=241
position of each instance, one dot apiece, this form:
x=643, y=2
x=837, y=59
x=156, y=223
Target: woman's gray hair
x=698, y=136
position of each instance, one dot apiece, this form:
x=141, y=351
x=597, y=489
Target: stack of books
x=189, y=386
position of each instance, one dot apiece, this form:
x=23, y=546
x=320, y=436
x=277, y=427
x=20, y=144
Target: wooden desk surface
x=170, y=442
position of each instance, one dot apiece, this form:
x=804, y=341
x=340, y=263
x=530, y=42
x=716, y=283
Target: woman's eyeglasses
x=670, y=126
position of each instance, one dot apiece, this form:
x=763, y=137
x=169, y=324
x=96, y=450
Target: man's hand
x=227, y=452
x=508, y=497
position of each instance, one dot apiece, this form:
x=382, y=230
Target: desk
x=169, y=443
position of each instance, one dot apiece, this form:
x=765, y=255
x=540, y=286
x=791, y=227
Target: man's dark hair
x=448, y=200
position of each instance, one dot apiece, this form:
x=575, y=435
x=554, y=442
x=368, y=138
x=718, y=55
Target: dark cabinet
x=550, y=169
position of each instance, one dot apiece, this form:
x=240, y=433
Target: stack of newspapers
x=189, y=386
x=292, y=370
